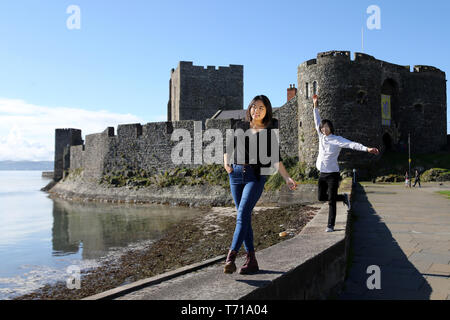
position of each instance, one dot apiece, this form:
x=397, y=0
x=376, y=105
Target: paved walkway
x=406, y=233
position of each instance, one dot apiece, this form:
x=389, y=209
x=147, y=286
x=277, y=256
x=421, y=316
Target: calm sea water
x=40, y=237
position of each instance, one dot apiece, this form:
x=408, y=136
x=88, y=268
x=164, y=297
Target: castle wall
x=137, y=148
x=76, y=157
x=287, y=115
x=148, y=148
x=424, y=112
x=94, y=155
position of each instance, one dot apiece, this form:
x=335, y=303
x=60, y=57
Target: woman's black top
x=245, y=125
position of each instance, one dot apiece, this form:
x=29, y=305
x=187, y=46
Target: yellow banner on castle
x=386, y=109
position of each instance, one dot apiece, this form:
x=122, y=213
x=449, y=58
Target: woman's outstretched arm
x=316, y=115
x=345, y=143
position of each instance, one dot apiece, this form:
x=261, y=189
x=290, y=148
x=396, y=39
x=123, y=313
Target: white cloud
x=27, y=131
x=15, y=147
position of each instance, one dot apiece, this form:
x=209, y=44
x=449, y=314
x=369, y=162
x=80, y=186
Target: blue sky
x=116, y=67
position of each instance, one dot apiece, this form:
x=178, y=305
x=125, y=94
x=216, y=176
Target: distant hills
x=27, y=165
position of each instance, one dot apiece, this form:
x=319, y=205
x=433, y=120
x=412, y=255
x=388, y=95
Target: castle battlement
x=345, y=55
x=332, y=56
x=133, y=130
x=188, y=66
x=359, y=56
x=428, y=69
x=68, y=130
x=161, y=129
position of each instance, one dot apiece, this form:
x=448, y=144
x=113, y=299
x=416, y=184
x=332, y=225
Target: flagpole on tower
x=362, y=40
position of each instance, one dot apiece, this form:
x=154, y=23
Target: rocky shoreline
x=192, y=196
x=201, y=195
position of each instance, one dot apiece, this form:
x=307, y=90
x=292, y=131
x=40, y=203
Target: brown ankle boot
x=230, y=266
x=251, y=265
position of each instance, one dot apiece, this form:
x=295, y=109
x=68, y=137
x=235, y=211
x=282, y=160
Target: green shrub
x=211, y=174
x=436, y=174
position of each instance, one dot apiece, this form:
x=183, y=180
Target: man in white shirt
x=330, y=146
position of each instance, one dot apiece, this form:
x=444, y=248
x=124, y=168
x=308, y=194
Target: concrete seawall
x=311, y=265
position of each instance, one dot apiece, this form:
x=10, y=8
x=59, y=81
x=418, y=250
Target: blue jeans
x=246, y=191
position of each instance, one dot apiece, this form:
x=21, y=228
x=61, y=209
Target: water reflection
x=40, y=237
x=98, y=227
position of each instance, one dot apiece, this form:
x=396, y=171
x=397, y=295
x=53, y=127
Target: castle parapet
x=428, y=69
x=363, y=57
x=108, y=132
x=188, y=65
x=334, y=54
x=128, y=131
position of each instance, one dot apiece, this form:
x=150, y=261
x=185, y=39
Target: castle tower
x=372, y=102
x=64, y=138
x=196, y=93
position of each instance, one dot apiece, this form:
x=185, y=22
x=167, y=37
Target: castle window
x=314, y=87
x=361, y=97
x=307, y=90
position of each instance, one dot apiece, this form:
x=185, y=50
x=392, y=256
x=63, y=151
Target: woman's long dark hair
x=268, y=117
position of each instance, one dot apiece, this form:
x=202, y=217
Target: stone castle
x=369, y=101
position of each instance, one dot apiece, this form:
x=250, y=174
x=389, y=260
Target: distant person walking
x=246, y=180
x=406, y=179
x=417, y=178
x=330, y=146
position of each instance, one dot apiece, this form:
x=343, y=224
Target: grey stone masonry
x=350, y=96
x=64, y=138
x=147, y=148
x=287, y=115
x=196, y=93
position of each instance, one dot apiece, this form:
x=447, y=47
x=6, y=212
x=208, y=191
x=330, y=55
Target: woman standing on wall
x=329, y=149
x=246, y=180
